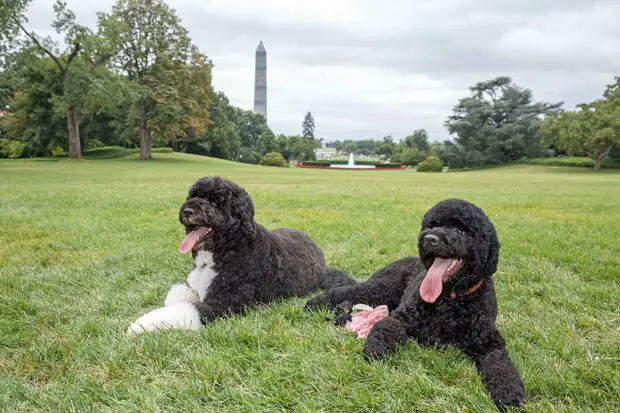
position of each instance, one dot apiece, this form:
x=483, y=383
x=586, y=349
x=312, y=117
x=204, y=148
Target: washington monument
x=260, y=81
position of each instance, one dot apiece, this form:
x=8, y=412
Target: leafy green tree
x=386, y=147
x=171, y=80
x=308, y=126
x=191, y=99
x=12, y=19
x=31, y=117
x=296, y=148
x=305, y=149
x=498, y=123
x=248, y=155
x=420, y=140
x=223, y=137
x=267, y=142
x=366, y=146
x=35, y=110
x=282, y=146
x=349, y=148
x=84, y=54
x=612, y=92
x=408, y=156
x=251, y=126
x=452, y=155
x=339, y=145
x=594, y=129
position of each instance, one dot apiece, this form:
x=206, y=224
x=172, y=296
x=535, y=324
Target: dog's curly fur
x=461, y=317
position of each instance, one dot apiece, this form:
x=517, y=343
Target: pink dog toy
x=364, y=318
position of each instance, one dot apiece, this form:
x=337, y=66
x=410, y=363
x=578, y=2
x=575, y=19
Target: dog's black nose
x=188, y=212
x=431, y=238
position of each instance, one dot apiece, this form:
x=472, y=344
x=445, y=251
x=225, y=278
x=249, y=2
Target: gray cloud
x=366, y=69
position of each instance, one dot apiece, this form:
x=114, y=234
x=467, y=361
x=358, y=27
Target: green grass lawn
x=87, y=247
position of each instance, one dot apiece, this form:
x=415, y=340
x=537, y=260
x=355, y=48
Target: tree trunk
x=597, y=162
x=145, y=141
x=73, y=128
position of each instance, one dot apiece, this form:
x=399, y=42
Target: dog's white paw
x=183, y=316
x=181, y=293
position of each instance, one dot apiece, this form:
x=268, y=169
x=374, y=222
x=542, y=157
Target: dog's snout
x=431, y=238
x=188, y=212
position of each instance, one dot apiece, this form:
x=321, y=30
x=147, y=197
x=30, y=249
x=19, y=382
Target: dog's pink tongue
x=191, y=239
x=431, y=286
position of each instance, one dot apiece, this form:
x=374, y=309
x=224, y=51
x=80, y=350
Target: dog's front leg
x=334, y=298
x=384, y=337
x=501, y=378
x=376, y=291
x=498, y=373
x=179, y=293
x=221, y=305
x=182, y=315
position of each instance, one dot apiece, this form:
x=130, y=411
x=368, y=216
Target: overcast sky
x=366, y=69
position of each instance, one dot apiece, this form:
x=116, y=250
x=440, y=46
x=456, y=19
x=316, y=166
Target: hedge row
x=571, y=161
x=110, y=152
x=345, y=162
x=377, y=164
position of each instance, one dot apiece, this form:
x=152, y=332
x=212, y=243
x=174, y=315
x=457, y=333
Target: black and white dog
x=237, y=262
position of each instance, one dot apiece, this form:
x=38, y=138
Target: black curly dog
x=237, y=263
x=444, y=297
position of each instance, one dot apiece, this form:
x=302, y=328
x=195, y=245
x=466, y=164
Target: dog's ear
x=243, y=207
x=490, y=266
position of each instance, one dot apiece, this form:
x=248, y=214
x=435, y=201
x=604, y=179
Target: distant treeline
x=138, y=81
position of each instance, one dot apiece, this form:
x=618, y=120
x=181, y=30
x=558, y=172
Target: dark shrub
x=94, y=143
x=197, y=148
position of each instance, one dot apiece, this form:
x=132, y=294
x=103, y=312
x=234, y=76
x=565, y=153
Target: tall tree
x=251, y=126
x=307, y=126
x=223, y=138
x=12, y=20
x=594, y=129
x=612, y=92
x=267, y=142
x=296, y=148
x=154, y=52
x=187, y=114
x=81, y=43
x=498, y=123
x=31, y=116
x=349, y=148
x=420, y=140
x=385, y=147
x=339, y=145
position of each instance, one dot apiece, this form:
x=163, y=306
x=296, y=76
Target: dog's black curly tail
x=335, y=278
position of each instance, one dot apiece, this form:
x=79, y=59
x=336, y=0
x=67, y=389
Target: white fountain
x=351, y=165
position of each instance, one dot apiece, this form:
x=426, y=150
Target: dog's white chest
x=203, y=274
